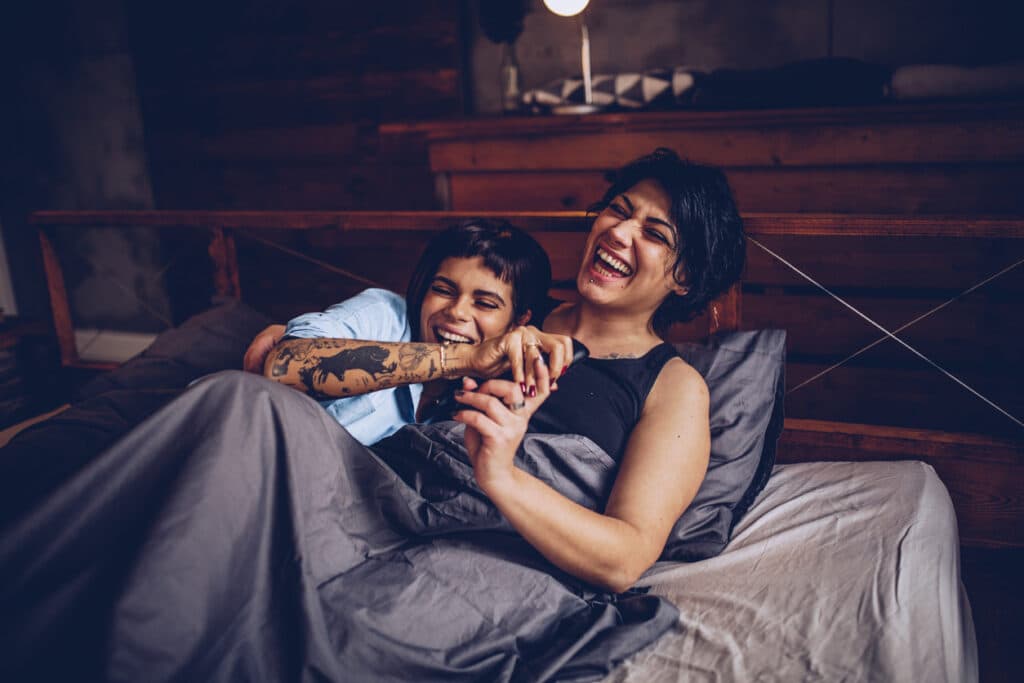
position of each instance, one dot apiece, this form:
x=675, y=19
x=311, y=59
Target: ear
x=679, y=289
x=524, y=318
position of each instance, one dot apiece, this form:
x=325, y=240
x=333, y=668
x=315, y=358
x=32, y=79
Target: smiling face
x=466, y=303
x=630, y=253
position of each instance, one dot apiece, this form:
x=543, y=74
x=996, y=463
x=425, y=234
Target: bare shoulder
x=678, y=387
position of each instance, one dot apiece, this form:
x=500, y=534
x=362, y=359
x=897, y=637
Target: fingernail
x=563, y=371
x=522, y=387
x=460, y=392
x=533, y=391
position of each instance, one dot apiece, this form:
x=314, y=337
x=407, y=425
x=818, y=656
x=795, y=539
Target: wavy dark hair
x=510, y=252
x=710, y=243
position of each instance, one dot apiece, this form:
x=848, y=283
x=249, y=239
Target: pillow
x=208, y=342
x=745, y=374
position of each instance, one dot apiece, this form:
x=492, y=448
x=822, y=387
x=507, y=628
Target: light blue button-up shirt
x=377, y=315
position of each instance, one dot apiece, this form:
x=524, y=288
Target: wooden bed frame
x=984, y=474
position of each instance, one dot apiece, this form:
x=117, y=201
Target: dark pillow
x=745, y=374
x=211, y=341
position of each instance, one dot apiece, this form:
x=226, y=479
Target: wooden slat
x=724, y=312
x=431, y=42
x=777, y=144
x=975, y=333
x=938, y=264
x=317, y=185
x=905, y=189
x=225, y=263
x=759, y=224
x=911, y=395
x=62, y=324
x=347, y=96
x=528, y=126
x=427, y=221
x=933, y=189
x=982, y=473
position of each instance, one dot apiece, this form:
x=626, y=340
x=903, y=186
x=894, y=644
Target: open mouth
x=450, y=337
x=610, y=266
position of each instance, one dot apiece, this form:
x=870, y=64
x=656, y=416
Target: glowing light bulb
x=566, y=8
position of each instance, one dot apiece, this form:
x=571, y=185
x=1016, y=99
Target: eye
x=618, y=209
x=441, y=290
x=657, y=235
x=489, y=305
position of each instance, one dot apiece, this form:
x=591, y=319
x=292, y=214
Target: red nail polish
x=563, y=371
x=522, y=387
x=533, y=391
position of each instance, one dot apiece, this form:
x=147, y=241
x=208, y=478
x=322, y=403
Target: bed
x=827, y=571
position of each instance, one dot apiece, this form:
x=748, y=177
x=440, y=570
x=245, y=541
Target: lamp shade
x=566, y=8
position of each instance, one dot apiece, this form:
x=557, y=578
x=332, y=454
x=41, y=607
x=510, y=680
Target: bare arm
x=665, y=461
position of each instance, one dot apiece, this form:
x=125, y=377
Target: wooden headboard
x=285, y=263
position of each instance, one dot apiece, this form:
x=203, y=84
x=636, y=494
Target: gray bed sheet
x=839, y=572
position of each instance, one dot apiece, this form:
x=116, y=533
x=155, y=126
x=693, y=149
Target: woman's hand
x=497, y=423
x=262, y=343
x=519, y=350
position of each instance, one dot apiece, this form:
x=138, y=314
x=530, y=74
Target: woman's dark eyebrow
x=487, y=292
x=659, y=221
x=476, y=292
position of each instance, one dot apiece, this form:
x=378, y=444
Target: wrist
x=454, y=360
x=497, y=481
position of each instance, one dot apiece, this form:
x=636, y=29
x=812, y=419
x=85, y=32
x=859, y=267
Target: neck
x=607, y=332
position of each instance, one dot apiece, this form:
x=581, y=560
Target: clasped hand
x=518, y=350
x=498, y=420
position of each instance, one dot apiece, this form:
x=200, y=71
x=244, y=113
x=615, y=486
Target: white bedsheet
x=839, y=572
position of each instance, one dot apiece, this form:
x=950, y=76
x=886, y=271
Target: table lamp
x=570, y=8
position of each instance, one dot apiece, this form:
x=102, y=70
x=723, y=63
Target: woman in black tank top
x=666, y=240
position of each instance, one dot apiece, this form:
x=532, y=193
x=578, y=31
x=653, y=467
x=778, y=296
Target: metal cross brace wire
x=891, y=335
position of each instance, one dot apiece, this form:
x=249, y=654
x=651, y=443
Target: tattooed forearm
x=329, y=368
x=411, y=356
x=369, y=359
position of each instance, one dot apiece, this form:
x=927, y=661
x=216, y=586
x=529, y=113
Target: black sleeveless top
x=602, y=398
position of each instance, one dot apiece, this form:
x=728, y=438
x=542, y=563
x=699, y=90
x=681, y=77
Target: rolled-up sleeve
x=375, y=314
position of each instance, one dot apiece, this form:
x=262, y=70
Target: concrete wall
x=77, y=138
x=633, y=35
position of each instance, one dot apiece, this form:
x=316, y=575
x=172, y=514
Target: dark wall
x=257, y=104
x=273, y=104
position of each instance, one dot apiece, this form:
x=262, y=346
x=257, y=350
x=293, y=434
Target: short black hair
x=710, y=243
x=510, y=252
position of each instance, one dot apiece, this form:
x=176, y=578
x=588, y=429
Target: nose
x=459, y=309
x=621, y=234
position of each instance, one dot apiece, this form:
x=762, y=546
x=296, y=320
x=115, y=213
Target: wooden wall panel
x=905, y=189
x=275, y=105
x=937, y=158
x=911, y=395
x=752, y=143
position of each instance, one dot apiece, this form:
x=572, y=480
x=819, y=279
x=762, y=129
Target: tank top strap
x=654, y=361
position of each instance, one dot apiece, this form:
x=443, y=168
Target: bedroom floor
x=993, y=581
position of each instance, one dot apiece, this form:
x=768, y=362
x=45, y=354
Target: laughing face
x=631, y=251
x=466, y=303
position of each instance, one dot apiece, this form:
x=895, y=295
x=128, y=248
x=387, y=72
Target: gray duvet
x=240, y=534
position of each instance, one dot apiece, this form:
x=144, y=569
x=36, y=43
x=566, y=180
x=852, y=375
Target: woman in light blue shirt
x=474, y=281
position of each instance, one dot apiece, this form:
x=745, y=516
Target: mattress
x=839, y=572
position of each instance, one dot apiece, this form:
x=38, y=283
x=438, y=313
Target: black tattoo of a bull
x=369, y=359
